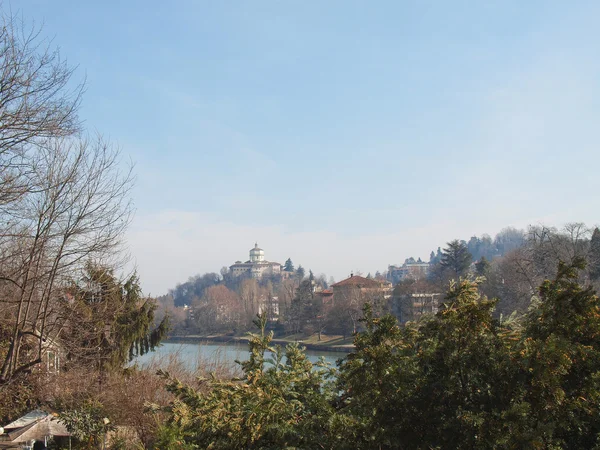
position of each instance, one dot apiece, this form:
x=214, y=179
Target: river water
x=194, y=355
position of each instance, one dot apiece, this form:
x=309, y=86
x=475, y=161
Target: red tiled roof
x=358, y=281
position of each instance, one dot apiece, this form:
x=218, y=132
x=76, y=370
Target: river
x=196, y=354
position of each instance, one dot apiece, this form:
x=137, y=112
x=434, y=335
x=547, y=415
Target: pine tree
x=456, y=257
x=288, y=266
x=482, y=266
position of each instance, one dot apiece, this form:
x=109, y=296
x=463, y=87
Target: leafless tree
x=63, y=199
x=37, y=101
x=74, y=211
x=515, y=278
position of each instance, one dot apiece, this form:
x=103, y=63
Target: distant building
x=256, y=266
x=411, y=269
x=357, y=288
x=325, y=296
x=410, y=306
x=270, y=306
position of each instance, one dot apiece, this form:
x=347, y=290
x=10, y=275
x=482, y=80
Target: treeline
x=460, y=379
x=506, y=240
x=228, y=304
x=510, y=266
x=516, y=263
x=195, y=287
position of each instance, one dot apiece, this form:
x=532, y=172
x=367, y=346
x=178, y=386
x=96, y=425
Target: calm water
x=194, y=354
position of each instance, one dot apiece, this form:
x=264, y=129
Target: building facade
x=408, y=307
x=360, y=289
x=256, y=266
x=411, y=269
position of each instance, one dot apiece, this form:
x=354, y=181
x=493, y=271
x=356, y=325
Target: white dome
x=257, y=254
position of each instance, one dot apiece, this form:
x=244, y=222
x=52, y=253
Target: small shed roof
x=50, y=426
x=27, y=419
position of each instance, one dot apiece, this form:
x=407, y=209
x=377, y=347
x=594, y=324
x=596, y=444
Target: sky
x=345, y=135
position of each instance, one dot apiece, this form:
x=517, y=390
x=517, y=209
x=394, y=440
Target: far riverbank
x=325, y=345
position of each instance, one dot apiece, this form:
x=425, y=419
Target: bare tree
x=75, y=210
x=63, y=200
x=37, y=101
x=515, y=278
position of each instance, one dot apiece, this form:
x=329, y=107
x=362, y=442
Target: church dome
x=257, y=254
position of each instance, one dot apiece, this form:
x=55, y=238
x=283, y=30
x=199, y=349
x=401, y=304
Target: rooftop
x=358, y=281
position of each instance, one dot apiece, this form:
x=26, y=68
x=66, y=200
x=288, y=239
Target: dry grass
x=124, y=396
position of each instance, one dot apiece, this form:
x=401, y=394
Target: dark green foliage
x=302, y=305
x=88, y=425
x=288, y=266
x=437, y=385
x=114, y=321
x=300, y=272
x=456, y=257
x=562, y=362
x=482, y=266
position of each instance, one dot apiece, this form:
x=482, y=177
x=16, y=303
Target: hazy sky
x=346, y=135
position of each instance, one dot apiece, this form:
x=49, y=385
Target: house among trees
x=408, y=307
x=355, y=284
x=358, y=290
x=325, y=296
x=256, y=266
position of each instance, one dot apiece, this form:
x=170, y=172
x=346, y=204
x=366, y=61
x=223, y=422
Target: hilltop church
x=256, y=266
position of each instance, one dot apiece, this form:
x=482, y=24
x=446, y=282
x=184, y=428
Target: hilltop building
x=256, y=266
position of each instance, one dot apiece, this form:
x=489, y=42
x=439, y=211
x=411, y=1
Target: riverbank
x=327, y=344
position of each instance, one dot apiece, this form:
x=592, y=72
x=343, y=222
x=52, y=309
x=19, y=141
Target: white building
x=256, y=266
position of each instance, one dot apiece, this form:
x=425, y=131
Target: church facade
x=256, y=266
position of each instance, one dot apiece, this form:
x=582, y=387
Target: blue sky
x=346, y=135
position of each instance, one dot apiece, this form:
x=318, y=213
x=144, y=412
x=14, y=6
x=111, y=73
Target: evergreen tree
x=561, y=364
x=482, y=266
x=283, y=401
x=456, y=257
x=300, y=272
x=288, y=266
x=112, y=321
